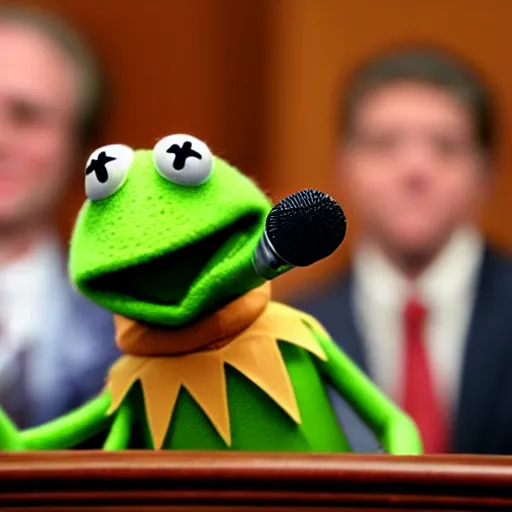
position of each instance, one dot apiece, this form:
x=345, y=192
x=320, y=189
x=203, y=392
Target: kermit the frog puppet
x=166, y=241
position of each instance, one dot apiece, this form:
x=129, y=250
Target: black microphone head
x=306, y=227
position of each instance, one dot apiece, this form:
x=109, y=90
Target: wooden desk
x=238, y=481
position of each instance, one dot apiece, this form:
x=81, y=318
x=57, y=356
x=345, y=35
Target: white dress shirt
x=26, y=288
x=447, y=288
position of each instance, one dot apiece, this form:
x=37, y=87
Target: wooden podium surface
x=231, y=481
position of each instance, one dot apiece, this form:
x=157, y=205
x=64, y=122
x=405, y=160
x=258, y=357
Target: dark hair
x=429, y=66
x=92, y=82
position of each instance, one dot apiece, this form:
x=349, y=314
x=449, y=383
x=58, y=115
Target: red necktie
x=419, y=398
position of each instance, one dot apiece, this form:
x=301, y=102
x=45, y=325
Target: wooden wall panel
x=194, y=66
x=259, y=80
x=317, y=42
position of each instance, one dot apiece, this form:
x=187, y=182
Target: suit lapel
x=344, y=329
x=485, y=349
x=337, y=315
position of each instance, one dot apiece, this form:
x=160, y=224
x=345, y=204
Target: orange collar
x=212, y=332
x=248, y=330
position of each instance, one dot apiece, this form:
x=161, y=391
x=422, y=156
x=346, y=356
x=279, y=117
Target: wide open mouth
x=166, y=279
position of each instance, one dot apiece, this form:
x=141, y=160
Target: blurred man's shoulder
x=95, y=324
x=499, y=261
x=330, y=291
x=91, y=314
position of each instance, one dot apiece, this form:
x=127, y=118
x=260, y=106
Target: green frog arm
x=10, y=438
x=394, y=429
x=71, y=429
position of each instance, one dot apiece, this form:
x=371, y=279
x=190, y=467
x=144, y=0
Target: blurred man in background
x=54, y=345
x=425, y=307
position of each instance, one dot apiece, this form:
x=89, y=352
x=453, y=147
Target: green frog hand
x=401, y=437
x=10, y=438
x=62, y=433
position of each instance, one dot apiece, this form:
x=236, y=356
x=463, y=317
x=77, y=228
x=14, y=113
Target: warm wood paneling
x=195, y=66
x=259, y=79
x=317, y=42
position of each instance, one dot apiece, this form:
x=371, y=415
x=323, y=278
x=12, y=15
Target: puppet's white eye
x=183, y=159
x=106, y=170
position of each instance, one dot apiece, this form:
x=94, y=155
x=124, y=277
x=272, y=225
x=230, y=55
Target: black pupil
x=99, y=167
x=182, y=153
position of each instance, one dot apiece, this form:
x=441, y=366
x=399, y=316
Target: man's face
x=37, y=121
x=412, y=167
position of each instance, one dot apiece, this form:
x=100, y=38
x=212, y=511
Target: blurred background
x=260, y=81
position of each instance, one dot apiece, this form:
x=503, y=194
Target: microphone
x=300, y=230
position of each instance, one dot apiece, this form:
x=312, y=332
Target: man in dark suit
x=425, y=306
x=55, y=346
